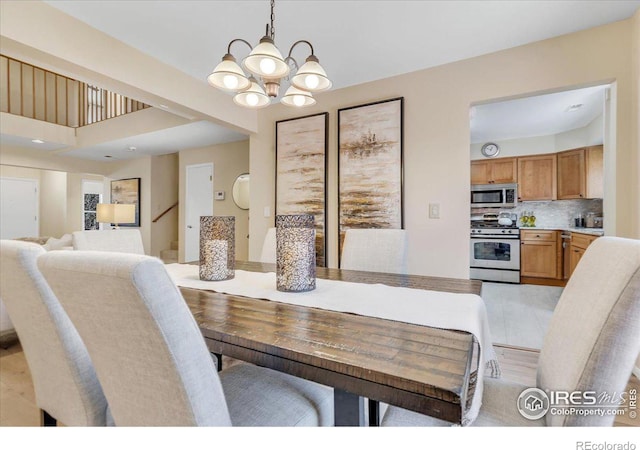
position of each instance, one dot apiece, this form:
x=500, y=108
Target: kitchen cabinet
x=580, y=173
x=498, y=171
x=540, y=254
x=579, y=244
x=537, y=177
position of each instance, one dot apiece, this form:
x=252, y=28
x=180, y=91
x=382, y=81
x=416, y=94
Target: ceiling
x=356, y=41
x=541, y=115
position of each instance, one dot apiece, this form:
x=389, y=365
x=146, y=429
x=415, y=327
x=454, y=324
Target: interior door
x=19, y=208
x=199, y=202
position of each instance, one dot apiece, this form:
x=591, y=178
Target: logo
x=533, y=403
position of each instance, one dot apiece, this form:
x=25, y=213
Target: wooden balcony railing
x=30, y=91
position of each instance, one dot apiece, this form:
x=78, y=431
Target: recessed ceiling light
x=575, y=107
x=108, y=156
x=131, y=149
x=37, y=141
x=164, y=106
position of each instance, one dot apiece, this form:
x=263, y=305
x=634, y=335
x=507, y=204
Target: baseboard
x=8, y=338
x=636, y=372
x=515, y=347
x=543, y=281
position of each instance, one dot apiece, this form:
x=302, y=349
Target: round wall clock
x=490, y=150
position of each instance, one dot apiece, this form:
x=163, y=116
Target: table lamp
x=116, y=213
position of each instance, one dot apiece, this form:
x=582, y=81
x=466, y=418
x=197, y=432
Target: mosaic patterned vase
x=217, y=247
x=295, y=253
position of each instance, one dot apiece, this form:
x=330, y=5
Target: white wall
x=591, y=134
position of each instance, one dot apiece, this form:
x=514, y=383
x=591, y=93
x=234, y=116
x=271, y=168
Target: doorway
x=19, y=212
x=198, y=202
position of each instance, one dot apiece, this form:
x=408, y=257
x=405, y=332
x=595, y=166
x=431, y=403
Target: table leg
x=348, y=409
x=218, y=360
x=374, y=413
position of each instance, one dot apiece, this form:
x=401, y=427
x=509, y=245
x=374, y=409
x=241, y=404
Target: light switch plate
x=434, y=210
x=267, y=211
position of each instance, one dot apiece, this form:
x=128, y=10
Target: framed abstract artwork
x=370, y=166
x=301, y=172
x=127, y=191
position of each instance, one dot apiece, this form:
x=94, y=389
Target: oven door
x=495, y=253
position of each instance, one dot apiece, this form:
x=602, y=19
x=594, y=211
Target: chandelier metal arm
x=237, y=40
x=300, y=42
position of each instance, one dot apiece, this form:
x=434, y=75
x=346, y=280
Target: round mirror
x=241, y=191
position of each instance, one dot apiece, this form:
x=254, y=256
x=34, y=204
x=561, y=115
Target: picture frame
x=127, y=191
x=301, y=172
x=371, y=166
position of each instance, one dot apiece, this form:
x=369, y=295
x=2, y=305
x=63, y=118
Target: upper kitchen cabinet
x=580, y=173
x=537, y=177
x=498, y=171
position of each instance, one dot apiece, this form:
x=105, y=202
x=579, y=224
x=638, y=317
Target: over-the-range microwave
x=494, y=195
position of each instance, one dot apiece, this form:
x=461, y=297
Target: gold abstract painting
x=127, y=191
x=370, y=166
x=301, y=159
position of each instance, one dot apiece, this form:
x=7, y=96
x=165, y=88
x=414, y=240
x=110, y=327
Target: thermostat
x=218, y=195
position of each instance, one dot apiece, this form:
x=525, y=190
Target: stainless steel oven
x=495, y=254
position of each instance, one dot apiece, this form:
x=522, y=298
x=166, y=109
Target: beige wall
x=229, y=161
x=436, y=136
x=53, y=205
x=164, y=193
x=138, y=168
x=635, y=67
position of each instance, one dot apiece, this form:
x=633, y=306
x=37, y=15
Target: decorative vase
x=295, y=253
x=217, y=247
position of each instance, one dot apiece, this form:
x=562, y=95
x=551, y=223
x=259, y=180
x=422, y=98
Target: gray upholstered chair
x=268, y=254
x=591, y=345
x=375, y=250
x=66, y=386
x=151, y=358
x=124, y=241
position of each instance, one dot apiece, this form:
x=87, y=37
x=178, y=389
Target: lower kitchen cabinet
x=579, y=244
x=540, y=254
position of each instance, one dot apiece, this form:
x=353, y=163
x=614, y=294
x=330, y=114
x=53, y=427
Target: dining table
x=420, y=368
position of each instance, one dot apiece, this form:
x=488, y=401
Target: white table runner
x=464, y=312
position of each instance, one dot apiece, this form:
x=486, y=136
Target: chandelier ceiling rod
x=267, y=69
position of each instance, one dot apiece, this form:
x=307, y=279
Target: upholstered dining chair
x=375, y=250
x=151, y=358
x=123, y=241
x=591, y=345
x=66, y=386
x=269, y=247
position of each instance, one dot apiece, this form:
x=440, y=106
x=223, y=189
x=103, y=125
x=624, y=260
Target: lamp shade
x=265, y=60
x=254, y=97
x=228, y=76
x=116, y=213
x=311, y=76
x=297, y=97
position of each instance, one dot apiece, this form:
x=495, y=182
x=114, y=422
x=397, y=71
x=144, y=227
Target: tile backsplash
x=558, y=213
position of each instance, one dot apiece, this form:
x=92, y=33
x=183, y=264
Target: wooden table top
x=419, y=368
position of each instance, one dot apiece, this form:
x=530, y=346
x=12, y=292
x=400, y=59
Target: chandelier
x=267, y=69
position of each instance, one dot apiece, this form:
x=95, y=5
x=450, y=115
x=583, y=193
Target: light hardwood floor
x=18, y=407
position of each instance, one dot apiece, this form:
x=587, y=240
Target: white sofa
x=122, y=241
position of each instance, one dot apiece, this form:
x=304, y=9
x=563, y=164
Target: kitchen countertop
x=592, y=231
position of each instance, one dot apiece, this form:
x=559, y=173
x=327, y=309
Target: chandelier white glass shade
x=267, y=69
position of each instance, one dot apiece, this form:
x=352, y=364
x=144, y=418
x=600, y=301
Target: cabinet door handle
x=537, y=235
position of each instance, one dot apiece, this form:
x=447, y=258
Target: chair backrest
x=64, y=379
x=375, y=250
x=269, y=247
x=147, y=349
x=594, y=334
x=123, y=241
